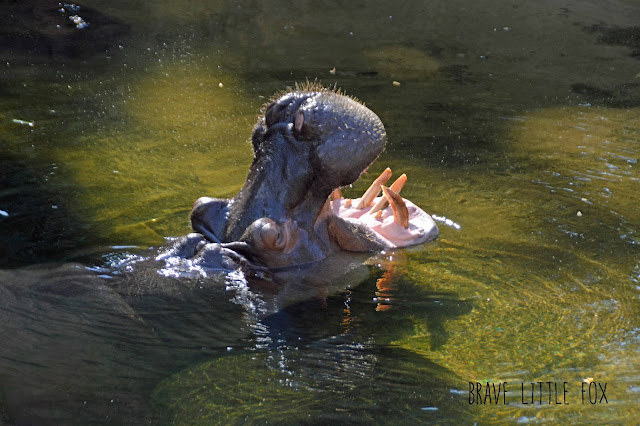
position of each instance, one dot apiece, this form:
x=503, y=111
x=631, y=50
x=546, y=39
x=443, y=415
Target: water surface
x=519, y=122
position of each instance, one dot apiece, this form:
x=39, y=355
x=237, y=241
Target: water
x=519, y=121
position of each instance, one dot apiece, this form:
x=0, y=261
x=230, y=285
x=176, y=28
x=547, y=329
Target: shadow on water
x=39, y=224
x=618, y=36
x=398, y=302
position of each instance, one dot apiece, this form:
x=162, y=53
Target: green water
x=518, y=121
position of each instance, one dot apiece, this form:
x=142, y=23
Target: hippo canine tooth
x=336, y=194
x=374, y=189
x=299, y=120
x=400, y=211
x=396, y=187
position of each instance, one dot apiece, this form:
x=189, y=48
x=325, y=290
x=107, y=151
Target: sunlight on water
x=545, y=256
x=180, y=118
x=589, y=153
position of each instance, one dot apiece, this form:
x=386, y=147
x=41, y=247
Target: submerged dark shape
x=36, y=30
x=311, y=142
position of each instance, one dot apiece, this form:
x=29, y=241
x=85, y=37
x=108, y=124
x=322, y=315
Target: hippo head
x=310, y=143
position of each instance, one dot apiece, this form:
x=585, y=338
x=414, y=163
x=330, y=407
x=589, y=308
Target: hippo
x=90, y=344
x=311, y=142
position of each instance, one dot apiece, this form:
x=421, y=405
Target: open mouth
x=396, y=221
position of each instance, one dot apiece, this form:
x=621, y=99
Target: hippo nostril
x=266, y=234
x=274, y=236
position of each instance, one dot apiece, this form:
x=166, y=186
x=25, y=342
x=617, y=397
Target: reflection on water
x=518, y=122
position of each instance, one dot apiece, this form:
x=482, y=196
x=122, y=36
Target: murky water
x=519, y=122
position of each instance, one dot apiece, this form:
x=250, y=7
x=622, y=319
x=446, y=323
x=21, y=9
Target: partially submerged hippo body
x=310, y=143
x=80, y=346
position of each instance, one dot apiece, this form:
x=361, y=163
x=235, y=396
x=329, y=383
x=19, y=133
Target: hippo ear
x=299, y=121
x=303, y=129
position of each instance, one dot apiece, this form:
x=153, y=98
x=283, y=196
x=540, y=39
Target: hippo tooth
x=347, y=202
x=299, y=120
x=378, y=215
x=372, y=192
x=336, y=194
x=396, y=187
x=400, y=211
